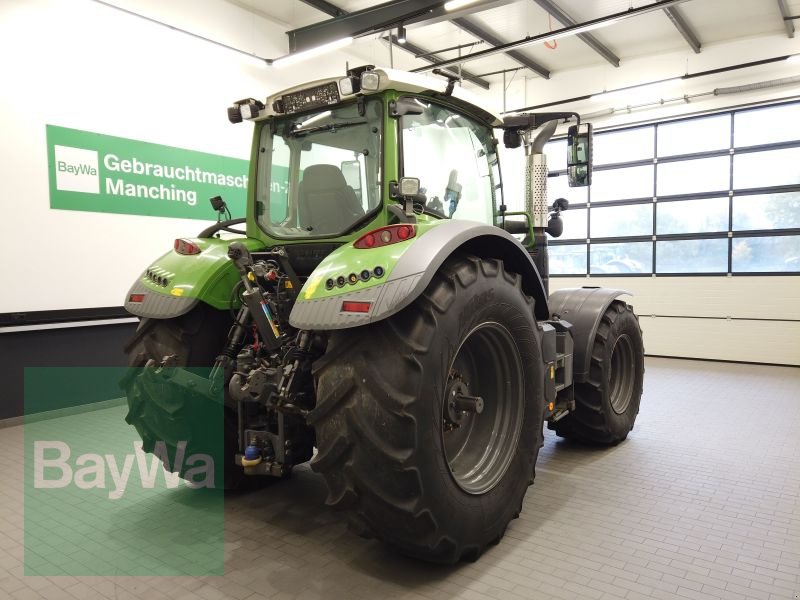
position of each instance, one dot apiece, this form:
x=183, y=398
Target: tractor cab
x=331, y=154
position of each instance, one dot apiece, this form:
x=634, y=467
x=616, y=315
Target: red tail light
x=356, y=307
x=136, y=298
x=186, y=247
x=385, y=236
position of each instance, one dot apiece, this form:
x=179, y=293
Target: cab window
x=453, y=157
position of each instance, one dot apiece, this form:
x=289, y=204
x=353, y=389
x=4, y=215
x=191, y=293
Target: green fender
x=175, y=283
x=404, y=270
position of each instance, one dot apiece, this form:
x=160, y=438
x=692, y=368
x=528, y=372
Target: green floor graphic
x=95, y=504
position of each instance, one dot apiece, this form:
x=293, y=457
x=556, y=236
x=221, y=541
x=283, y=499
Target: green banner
x=102, y=173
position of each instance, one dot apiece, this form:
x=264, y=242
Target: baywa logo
x=77, y=170
x=52, y=468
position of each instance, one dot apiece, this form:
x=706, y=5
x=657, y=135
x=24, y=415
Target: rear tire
x=388, y=446
x=194, y=339
x=607, y=403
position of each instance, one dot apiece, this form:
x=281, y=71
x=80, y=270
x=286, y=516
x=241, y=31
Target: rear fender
x=408, y=269
x=176, y=283
x=583, y=307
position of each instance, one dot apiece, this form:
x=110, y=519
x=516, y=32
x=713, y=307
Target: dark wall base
x=94, y=346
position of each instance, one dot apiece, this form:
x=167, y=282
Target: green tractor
x=384, y=307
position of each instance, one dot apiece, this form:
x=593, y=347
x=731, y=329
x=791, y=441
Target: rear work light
x=355, y=307
x=186, y=247
x=385, y=236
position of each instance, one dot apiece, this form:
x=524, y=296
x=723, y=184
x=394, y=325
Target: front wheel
x=607, y=403
x=429, y=423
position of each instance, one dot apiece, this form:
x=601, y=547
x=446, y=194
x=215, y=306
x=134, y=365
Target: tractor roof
x=389, y=79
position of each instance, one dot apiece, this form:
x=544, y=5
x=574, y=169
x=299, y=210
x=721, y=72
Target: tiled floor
x=702, y=501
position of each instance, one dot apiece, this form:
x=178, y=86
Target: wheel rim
x=621, y=378
x=480, y=445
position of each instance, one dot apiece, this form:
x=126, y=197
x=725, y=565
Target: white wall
x=83, y=65
x=672, y=312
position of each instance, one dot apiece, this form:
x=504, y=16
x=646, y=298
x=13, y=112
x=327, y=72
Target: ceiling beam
x=787, y=18
x=334, y=11
x=326, y=7
x=480, y=33
x=373, y=19
x=586, y=38
x=432, y=58
x=376, y=19
x=684, y=28
x=558, y=33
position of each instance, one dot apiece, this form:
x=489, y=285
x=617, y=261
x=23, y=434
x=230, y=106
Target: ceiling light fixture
x=296, y=57
x=401, y=35
x=456, y=4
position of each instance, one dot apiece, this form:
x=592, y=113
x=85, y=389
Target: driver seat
x=326, y=204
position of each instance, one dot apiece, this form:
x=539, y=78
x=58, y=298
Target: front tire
x=607, y=403
x=437, y=479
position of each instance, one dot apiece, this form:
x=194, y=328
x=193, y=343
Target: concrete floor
x=702, y=501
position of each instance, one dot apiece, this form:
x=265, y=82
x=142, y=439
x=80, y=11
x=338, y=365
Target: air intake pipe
x=536, y=196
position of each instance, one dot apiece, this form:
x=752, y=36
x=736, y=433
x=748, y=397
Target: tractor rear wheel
x=429, y=423
x=607, y=403
x=193, y=340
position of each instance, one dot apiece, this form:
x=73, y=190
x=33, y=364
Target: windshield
x=319, y=173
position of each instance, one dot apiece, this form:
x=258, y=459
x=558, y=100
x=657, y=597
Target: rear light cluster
x=186, y=247
x=136, y=298
x=385, y=236
x=354, y=278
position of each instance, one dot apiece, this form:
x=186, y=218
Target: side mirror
x=405, y=106
x=579, y=155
